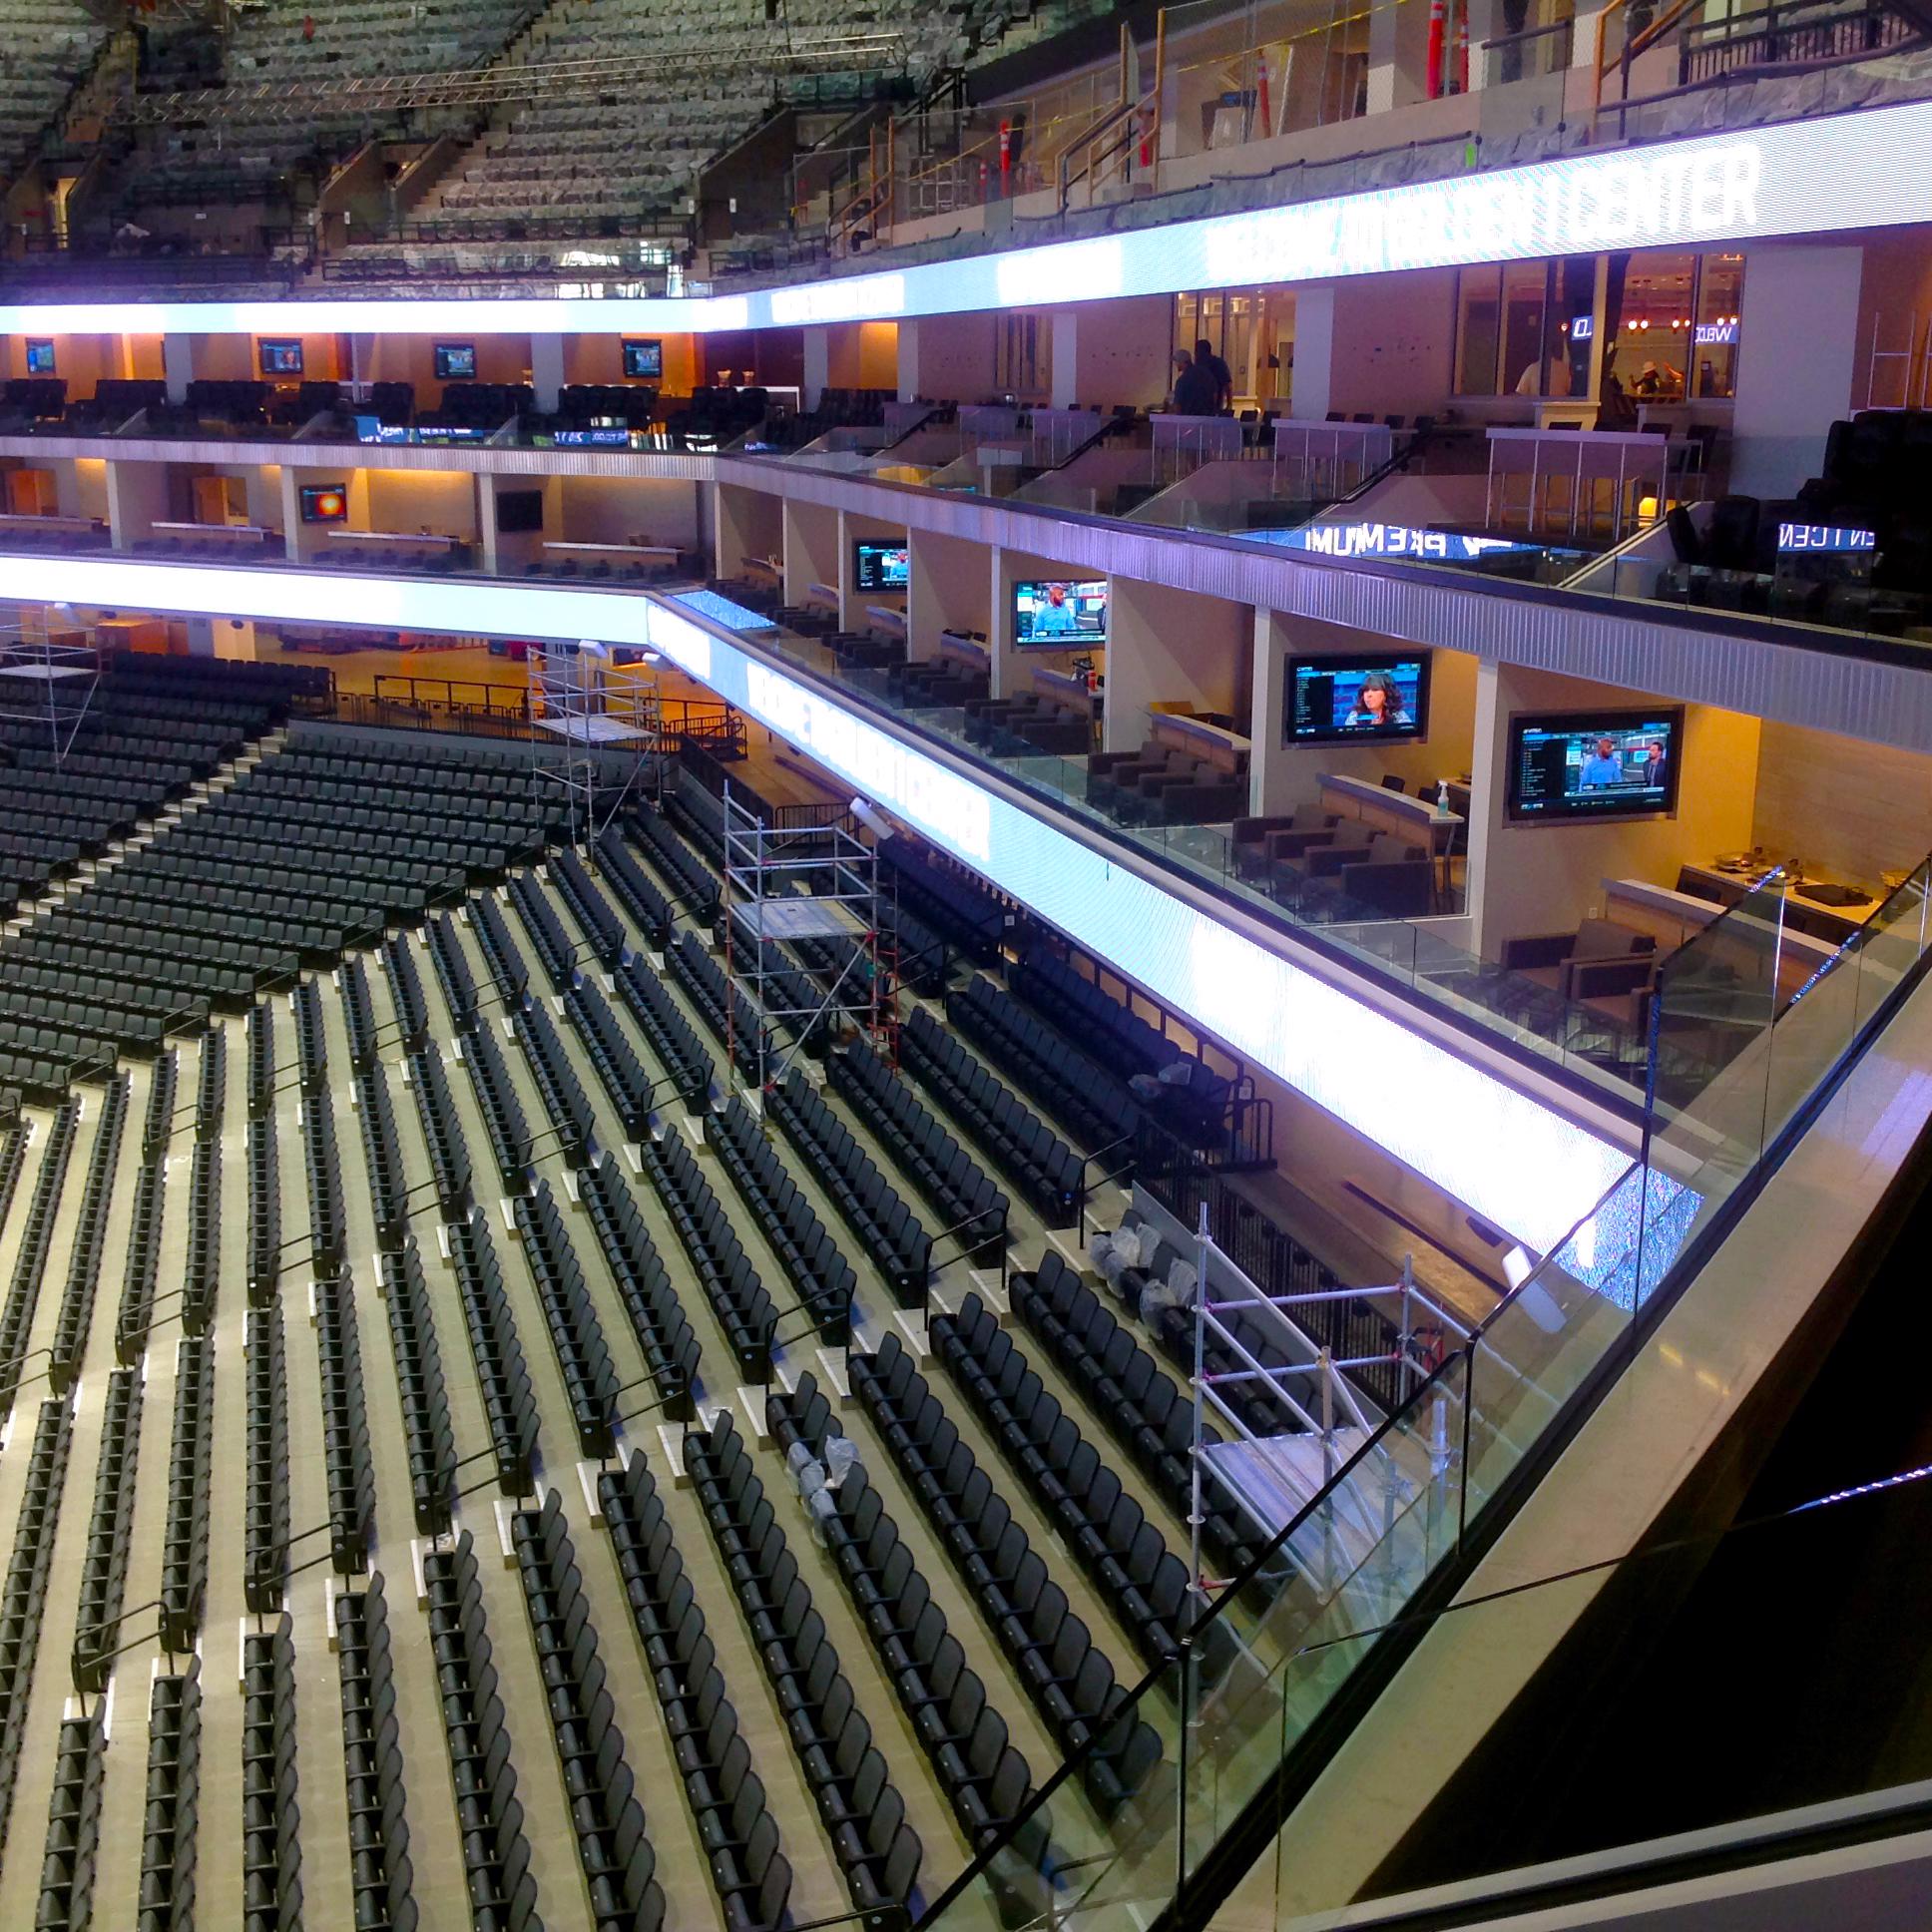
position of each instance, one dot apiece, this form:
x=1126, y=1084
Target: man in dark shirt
x=1193, y=390
x=1218, y=375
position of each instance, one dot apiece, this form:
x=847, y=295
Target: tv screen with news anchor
x=1059, y=614
x=1571, y=765
x=1381, y=696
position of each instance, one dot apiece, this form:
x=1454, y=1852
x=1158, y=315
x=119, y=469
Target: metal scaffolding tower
x=47, y=680
x=603, y=720
x=810, y=882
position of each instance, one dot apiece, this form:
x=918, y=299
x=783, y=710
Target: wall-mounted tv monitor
x=1380, y=697
x=40, y=358
x=1059, y=614
x=518, y=510
x=1569, y=765
x=279, y=355
x=881, y=566
x=455, y=361
x=643, y=361
x=324, y=503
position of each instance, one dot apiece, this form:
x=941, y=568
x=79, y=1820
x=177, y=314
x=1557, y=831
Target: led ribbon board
x=1814, y=176
x=1515, y=1162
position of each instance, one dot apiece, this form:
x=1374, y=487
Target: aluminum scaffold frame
x=592, y=715
x=44, y=680
x=810, y=879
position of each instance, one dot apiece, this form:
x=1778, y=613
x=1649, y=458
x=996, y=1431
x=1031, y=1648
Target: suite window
x=1719, y=314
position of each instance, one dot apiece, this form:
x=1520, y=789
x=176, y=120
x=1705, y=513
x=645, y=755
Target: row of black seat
x=576, y=1333
x=265, y=1492
x=900, y=1246
x=965, y=1739
x=501, y=954
x=170, y=1814
x=265, y=1210
x=672, y=1037
x=211, y=1088
x=496, y=1856
x=572, y=1118
x=618, y=1860
x=589, y=908
x=406, y=995
x=860, y=1809
x=104, y=1567
x=453, y=973
x=619, y=1069
x=812, y=1260
x=202, y=1268
x=185, y=1530
x=502, y=1373
x=89, y=1229
x=358, y=1014
x=633, y=888
x=348, y=1467
x=702, y=979
x=1147, y=1413
x=380, y=1874
x=158, y=1124
x=261, y=1047
x=1071, y=1084
x=73, y=1824
x=1049, y=1173
x=740, y=1301
x=974, y=1211
x=1053, y=1654
x=322, y=1176
x=555, y=953
x=643, y=1285
x=949, y=901
x=382, y=1158
x=420, y=1386
x=449, y=1155
x=724, y=1794
x=23, y=1598
x=694, y=885
x=496, y=1100
x=271, y=1894
x=140, y=1274
x=36, y=1240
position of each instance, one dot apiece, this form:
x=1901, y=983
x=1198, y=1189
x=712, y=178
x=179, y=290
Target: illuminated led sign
x=1389, y=540
x=1818, y=176
x=1824, y=536
x=1715, y=335
x=1518, y=1164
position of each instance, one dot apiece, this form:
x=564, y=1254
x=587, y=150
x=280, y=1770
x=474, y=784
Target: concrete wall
x=1846, y=807
x=1798, y=349
x=1169, y=646
x=1545, y=878
x=811, y=549
x=1380, y=343
x=748, y=523
x=947, y=359
x=951, y=589
x=1116, y=352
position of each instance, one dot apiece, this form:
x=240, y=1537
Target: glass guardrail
x=1273, y=1647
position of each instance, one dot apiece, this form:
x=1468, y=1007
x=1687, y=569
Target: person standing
x=1221, y=376
x=1193, y=388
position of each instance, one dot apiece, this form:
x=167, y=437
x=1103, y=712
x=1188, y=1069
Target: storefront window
x=1479, y=310
x=1652, y=327
x=1713, y=340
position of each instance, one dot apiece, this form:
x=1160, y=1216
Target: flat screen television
x=279, y=355
x=40, y=358
x=1059, y=614
x=519, y=510
x=454, y=361
x=1379, y=697
x=881, y=566
x=643, y=361
x=1569, y=765
x=324, y=503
